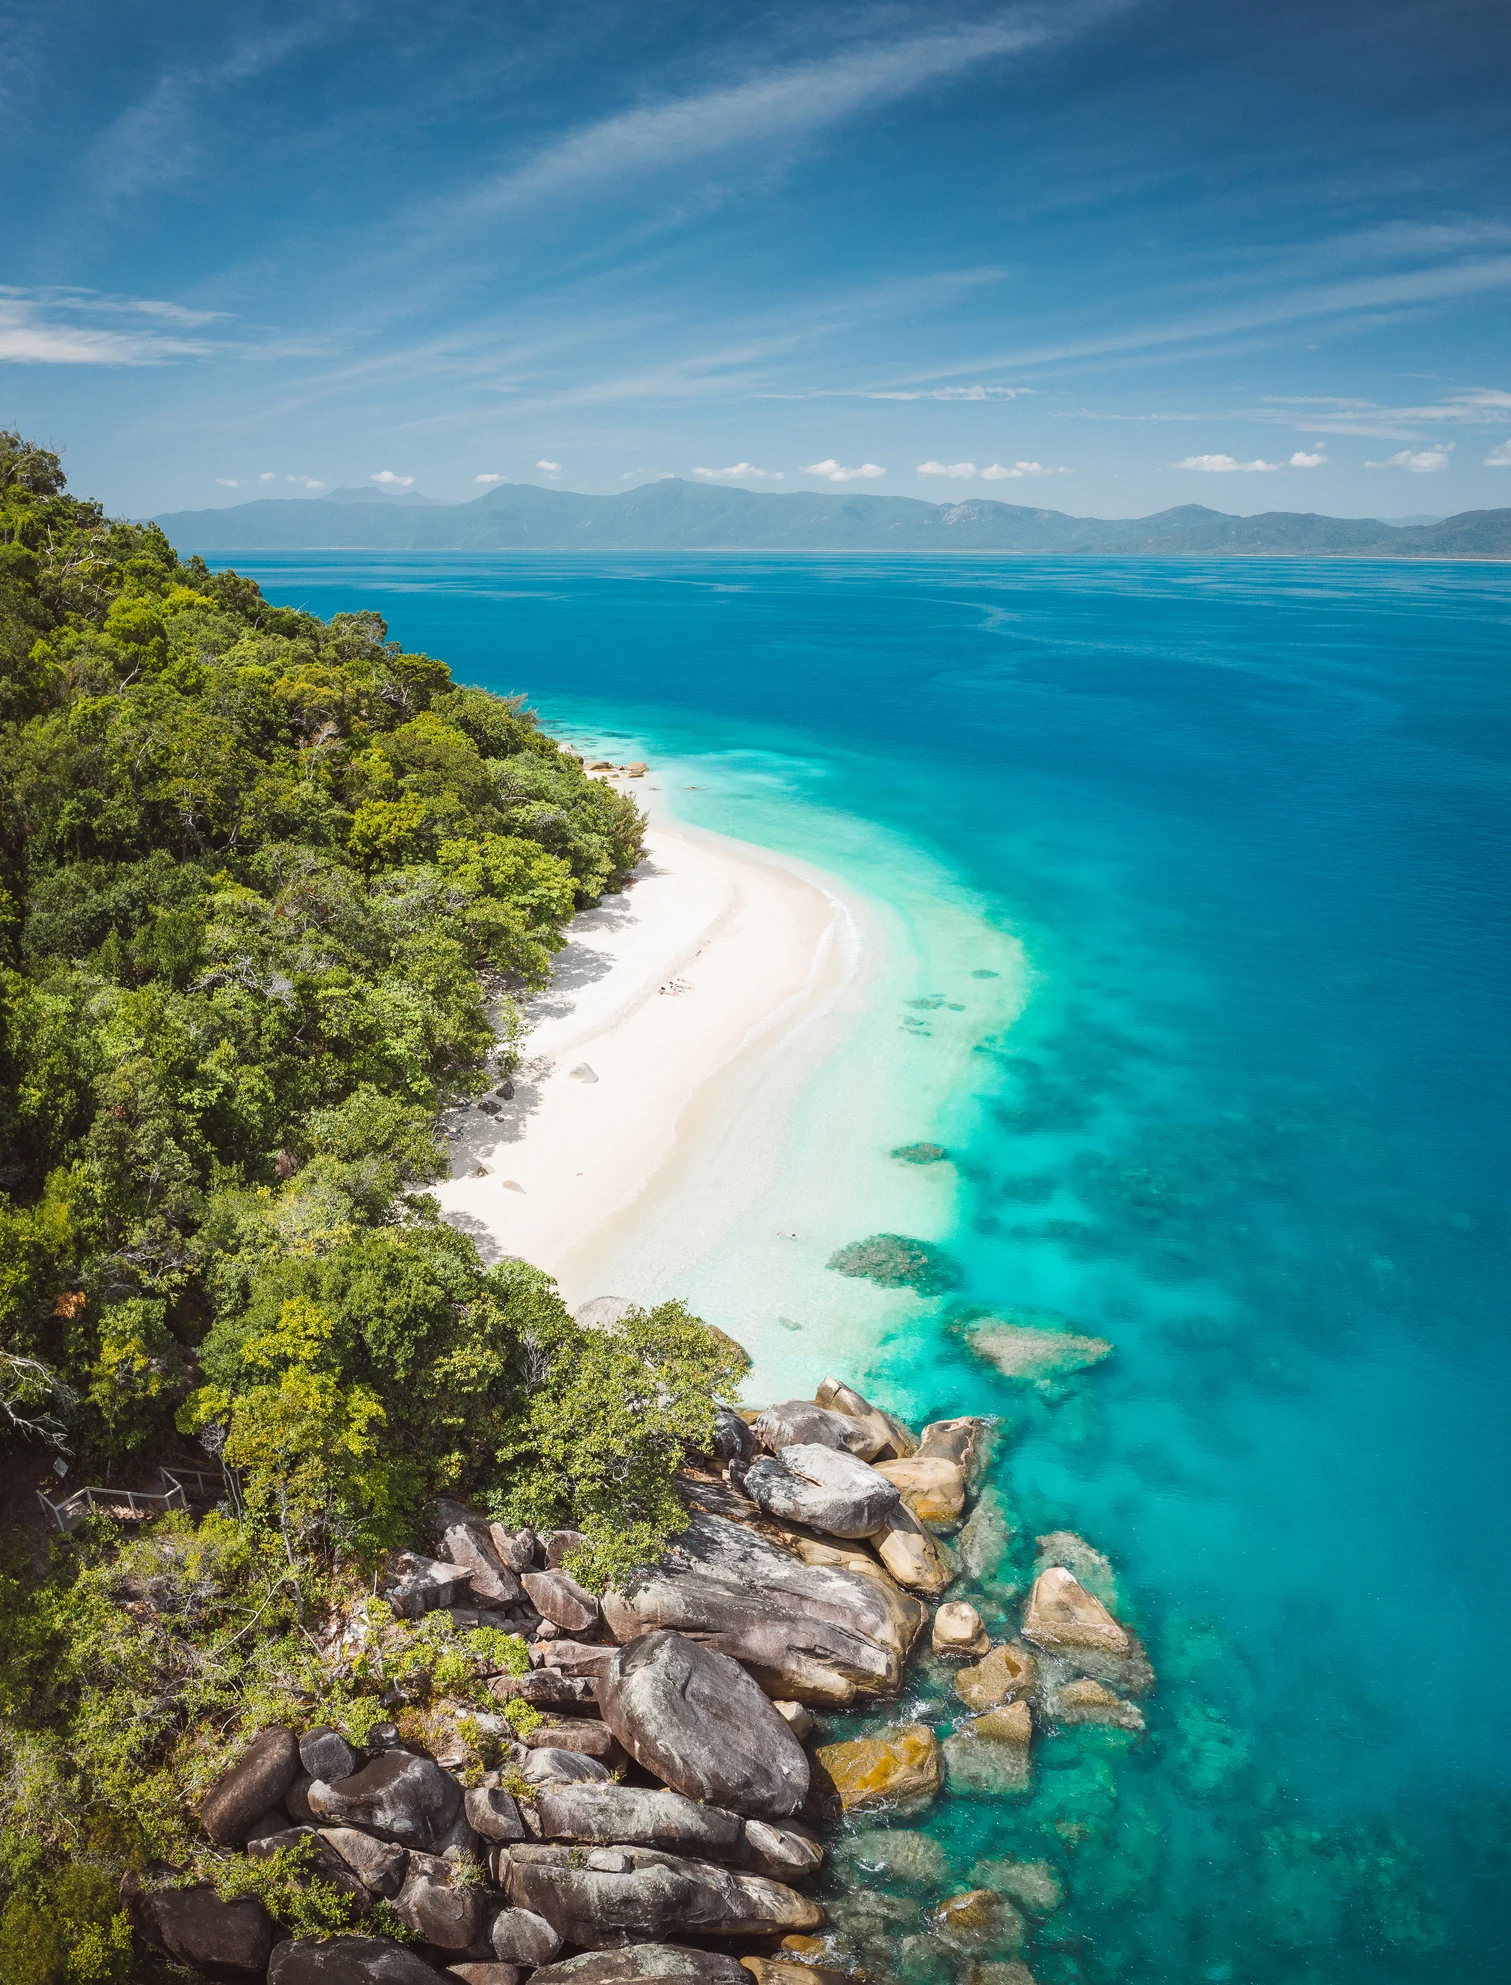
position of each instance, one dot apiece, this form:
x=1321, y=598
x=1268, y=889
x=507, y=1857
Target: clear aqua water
x=1251, y=822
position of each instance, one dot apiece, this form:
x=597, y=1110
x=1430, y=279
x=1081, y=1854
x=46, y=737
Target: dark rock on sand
x=696, y=1720
x=241, y=1796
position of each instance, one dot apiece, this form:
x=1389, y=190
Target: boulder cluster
x=657, y=1811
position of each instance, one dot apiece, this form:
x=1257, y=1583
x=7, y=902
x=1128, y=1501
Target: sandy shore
x=708, y=959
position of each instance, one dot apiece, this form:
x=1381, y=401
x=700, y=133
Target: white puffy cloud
x=314, y=482
x=740, y=472
x=1499, y=456
x=832, y=471
x=999, y=472
x=386, y=479
x=268, y=475
x=1302, y=460
x=1420, y=461
x=962, y=469
x=227, y=482
x=486, y=478
x=1222, y=465
x=551, y=468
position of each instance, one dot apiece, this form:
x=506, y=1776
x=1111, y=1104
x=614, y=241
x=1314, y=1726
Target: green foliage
x=522, y=1716
x=259, y=876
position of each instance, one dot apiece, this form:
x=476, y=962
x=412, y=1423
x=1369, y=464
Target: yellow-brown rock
x=1063, y=1614
x=821, y=1551
x=901, y=1768
x=1089, y=1702
x=979, y=1919
x=1013, y=1723
x=958, y=1632
x=932, y=1487
x=1006, y=1672
x=911, y=1555
x=793, y=1971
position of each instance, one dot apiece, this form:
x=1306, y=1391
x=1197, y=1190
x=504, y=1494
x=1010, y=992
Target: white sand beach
x=704, y=963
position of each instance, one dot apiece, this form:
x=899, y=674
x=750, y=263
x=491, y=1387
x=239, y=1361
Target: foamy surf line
x=715, y=953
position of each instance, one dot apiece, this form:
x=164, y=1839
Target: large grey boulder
x=348, y=1961
x=450, y=1919
x=515, y=1548
x=230, y=1941
x=463, y=1537
x=240, y=1796
x=575, y=1657
x=553, y=1764
x=618, y=1895
x=417, y=1585
x=808, y=1633
x=519, y=1936
x=377, y=1864
x=892, y=1437
x=823, y=1487
x=696, y=1720
x=799, y=1421
x=557, y=1597
x=325, y=1753
x=633, y=1816
x=645, y=1964
x=399, y=1796
x=493, y=1814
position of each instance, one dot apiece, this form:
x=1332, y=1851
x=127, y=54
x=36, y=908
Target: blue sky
x=1102, y=257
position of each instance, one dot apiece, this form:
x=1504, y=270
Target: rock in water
x=990, y=1756
x=808, y=1633
x=612, y=1894
x=798, y=1422
x=1062, y=1614
x=465, y=1538
x=966, y=1442
x=696, y=1720
x=823, y=1487
x=240, y=1797
x=1033, y=1885
x=931, y=1486
x=911, y=1555
x=225, y=1940
x=1034, y=1345
x=347, y=1961
x=892, y=1438
x=1089, y=1702
x=901, y=1768
x=557, y=1597
x=1006, y=1671
x=1074, y=1554
x=979, y=1920
x=646, y=1964
x=896, y=1854
x=399, y=1796
x=958, y=1632
x=984, y=1541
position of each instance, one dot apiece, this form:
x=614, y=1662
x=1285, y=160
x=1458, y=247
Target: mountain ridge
x=674, y=515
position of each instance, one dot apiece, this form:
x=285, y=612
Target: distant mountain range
x=688, y=516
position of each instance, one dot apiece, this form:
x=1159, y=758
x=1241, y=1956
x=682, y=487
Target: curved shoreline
x=716, y=954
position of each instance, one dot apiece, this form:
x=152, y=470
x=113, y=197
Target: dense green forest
x=267, y=885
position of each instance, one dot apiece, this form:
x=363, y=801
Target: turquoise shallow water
x=1250, y=821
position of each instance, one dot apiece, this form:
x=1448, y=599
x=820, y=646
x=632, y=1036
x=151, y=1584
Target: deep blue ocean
x=1251, y=822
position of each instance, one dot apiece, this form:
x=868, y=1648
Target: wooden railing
x=181, y=1485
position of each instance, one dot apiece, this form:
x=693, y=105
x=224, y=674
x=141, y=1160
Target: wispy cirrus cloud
x=796, y=100
x=954, y=393
x=1378, y=421
x=85, y=327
